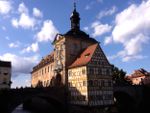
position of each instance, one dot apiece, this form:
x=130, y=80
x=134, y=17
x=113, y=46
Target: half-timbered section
x=100, y=86
x=91, y=75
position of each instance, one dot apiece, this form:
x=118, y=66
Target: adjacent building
x=79, y=63
x=139, y=77
x=43, y=72
x=5, y=75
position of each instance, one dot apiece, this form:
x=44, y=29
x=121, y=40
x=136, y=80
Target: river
x=19, y=109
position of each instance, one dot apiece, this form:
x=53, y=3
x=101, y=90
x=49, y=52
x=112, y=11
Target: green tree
x=119, y=76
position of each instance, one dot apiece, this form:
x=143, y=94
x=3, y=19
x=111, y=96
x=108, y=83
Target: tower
x=75, y=20
x=81, y=65
x=68, y=46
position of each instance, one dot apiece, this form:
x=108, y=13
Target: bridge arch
x=124, y=102
x=43, y=104
x=52, y=96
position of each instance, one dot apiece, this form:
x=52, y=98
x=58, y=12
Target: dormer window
x=86, y=55
x=5, y=73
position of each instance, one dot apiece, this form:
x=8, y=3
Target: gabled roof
x=138, y=73
x=57, y=38
x=85, y=57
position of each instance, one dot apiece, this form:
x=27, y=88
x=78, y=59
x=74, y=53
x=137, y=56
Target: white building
x=5, y=74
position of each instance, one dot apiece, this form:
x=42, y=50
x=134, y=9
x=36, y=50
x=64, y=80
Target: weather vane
x=74, y=4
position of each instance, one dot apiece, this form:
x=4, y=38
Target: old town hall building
x=79, y=63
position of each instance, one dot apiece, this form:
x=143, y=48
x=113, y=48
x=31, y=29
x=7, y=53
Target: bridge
x=134, y=92
x=38, y=97
x=132, y=98
x=127, y=97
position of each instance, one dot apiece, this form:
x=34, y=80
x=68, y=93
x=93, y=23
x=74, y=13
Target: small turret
x=75, y=20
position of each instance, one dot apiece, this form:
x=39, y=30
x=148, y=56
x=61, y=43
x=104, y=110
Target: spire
x=74, y=5
x=75, y=19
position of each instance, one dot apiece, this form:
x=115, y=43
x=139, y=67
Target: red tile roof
x=138, y=73
x=44, y=61
x=85, y=56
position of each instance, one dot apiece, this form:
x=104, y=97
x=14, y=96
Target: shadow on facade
x=56, y=81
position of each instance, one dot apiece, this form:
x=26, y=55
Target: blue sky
x=27, y=28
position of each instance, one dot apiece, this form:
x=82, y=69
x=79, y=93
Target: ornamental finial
x=74, y=4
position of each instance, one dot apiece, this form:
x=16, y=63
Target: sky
x=28, y=27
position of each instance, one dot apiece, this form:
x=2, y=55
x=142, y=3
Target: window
x=47, y=82
x=51, y=67
x=84, y=83
x=107, y=72
x=86, y=55
x=103, y=71
x=99, y=83
x=109, y=83
x=99, y=71
x=99, y=97
x=42, y=71
x=90, y=83
x=95, y=82
x=44, y=83
x=91, y=71
x=45, y=70
x=69, y=73
x=108, y=96
x=69, y=84
x=83, y=71
x=5, y=73
x=96, y=71
x=48, y=68
x=102, y=82
x=4, y=81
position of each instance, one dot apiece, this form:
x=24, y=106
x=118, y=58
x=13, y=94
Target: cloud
x=100, y=29
x=87, y=7
x=14, y=45
x=25, y=21
x=126, y=58
x=28, y=82
x=32, y=48
x=132, y=30
x=92, y=3
x=37, y=13
x=86, y=28
x=21, y=81
x=47, y=32
x=5, y=7
x=20, y=64
x=22, y=8
x=108, y=40
x=107, y=12
x=14, y=22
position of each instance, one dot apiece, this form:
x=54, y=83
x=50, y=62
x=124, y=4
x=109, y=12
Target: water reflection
x=19, y=109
